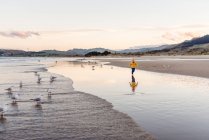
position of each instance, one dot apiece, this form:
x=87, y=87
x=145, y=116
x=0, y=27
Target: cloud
x=180, y=36
x=19, y=34
x=169, y=36
x=189, y=34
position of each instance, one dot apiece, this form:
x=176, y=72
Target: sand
x=68, y=114
x=198, y=67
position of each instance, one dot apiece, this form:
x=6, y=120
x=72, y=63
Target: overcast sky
x=113, y=24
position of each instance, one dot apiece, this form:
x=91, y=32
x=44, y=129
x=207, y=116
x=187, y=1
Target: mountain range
x=194, y=46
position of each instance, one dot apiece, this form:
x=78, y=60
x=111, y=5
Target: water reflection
x=171, y=99
x=14, y=104
x=133, y=84
x=38, y=109
x=14, y=108
x=2, y=121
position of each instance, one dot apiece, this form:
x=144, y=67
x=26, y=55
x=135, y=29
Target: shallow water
x=65, y=115
x=166, y=105
x=25, y=120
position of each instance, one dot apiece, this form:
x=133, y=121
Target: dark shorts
x=132, y=70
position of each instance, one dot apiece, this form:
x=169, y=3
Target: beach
x=65, y=114
x=168, y=106
x=183, y=65
x=92, y=99
x=104, y=70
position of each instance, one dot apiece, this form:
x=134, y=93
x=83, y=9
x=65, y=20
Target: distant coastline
x=195, y=46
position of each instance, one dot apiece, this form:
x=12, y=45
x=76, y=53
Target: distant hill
x=145, y=49
x=195, y=46
x=86, y=51
x=194, y=41
x=52, y=53
x=10, y=52
x=105, y=53
x=73, y=52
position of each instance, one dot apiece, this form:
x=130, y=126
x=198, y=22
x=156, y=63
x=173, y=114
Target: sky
x=114, y=24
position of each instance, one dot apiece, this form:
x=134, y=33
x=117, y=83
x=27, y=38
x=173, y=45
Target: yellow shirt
x=133, y=64
x=134, y=84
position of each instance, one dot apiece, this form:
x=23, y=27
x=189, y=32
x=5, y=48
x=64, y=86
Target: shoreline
x=66, y=114
x=198, y=68
x=109, y=122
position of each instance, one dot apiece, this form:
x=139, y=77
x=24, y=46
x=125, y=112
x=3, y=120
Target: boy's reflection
x=133, y=84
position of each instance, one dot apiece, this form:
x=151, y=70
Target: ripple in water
x=67, y=114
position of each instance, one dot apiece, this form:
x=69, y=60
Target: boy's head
x=133, y=60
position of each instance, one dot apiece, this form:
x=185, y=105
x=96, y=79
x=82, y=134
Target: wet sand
x=68, y=114
x=166, y=105
x=81, y=116
x=198, y=67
